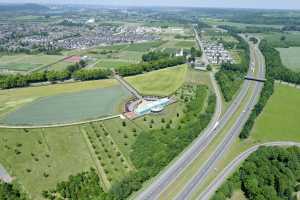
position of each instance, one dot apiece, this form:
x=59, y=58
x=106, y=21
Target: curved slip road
x=232, y=134
x=230, y=168
x=170, y=174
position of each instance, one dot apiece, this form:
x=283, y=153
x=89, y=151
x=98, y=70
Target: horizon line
x=150, y=6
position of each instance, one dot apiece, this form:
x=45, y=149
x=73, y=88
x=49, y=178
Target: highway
x=170, y=174
x=230, y=168
x=172, y=171
x=233, y=132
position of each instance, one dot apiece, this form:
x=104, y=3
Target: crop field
x=39, y=158
x=111, y=63
x=162, y=82
x=290, y=57
x=283, y=40
x=214, y=34
x=214, y=22
x=280, y=118
x=67, y=108
x=22, y=62
x=185, y=44
x=144, y=47
x=14, y=98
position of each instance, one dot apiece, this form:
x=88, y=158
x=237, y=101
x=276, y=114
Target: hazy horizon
x=256, y=4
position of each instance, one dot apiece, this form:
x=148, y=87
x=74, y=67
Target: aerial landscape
x=116, y=100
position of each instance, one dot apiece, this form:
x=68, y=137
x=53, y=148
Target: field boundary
x=60, y=125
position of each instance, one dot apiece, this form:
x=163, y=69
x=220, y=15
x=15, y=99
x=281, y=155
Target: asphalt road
x=230, y=168
x=232, y=134
x=170, y=174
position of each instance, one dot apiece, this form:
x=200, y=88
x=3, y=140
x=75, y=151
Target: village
x=216, y=53
x=68, y=34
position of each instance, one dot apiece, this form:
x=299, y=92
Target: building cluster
x=69, y=35
x=216, y=53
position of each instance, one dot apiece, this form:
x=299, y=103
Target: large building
x=146, y=107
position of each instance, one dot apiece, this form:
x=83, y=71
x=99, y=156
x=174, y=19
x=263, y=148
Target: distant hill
x=29, y=7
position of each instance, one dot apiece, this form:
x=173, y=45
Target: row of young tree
x=275, y=70
x=269, y=173
x=75, y=71
x=231, y=76
x=140, y=68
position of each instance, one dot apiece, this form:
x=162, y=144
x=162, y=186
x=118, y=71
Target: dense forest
x=11, y=192
x=85, y=185
x=270, y=173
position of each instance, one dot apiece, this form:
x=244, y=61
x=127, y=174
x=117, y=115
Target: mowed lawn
x=69, y=108
x=280, y=118
x=23, y=62
x=40, y=158
x=162, y=82
x=14, y=98
x=290, y=57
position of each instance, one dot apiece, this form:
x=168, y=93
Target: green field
x=14, y=98
x=290, y=39
x=22, y=62
x=185, y=44
x=290, y=57
x=162, y=83
x=68, y=108
x=110, y=63
x=144, y=47
x=280, y=118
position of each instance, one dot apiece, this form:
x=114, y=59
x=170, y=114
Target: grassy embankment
x=162, y=83
x=14, y=98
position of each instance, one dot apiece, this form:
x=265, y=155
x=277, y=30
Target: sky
x=269, y=4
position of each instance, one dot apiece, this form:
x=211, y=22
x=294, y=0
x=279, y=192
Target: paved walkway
x=61, y=125
x=4, y=176
x=131, y=89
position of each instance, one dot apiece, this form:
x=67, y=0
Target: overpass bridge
x=252, y=78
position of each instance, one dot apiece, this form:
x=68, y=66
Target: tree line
x=140, y=68
x=275, y=70
x=269, y=173
x=155, y=55
x=73, y=71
